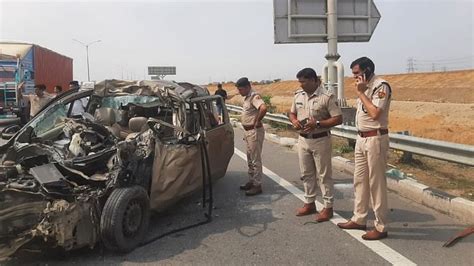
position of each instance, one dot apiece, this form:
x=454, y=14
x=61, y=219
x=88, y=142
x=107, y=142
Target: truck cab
x=11, y=108
x=31, y=64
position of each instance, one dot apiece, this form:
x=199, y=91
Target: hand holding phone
x=309, y=125
x=303, y=122
x=361, y=81
x=296, y=124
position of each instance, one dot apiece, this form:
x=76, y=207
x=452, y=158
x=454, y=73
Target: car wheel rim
x=132, y=219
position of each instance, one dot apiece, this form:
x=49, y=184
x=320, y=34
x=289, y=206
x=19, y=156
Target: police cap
x=242, y=82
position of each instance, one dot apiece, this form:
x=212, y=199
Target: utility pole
x=332, y=56
x=87, y=54
x=411, y=65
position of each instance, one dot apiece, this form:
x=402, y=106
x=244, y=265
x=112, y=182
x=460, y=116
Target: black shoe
x=255, y=190
x=247, y=186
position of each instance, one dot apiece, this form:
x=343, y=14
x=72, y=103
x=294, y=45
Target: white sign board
x=305, y=21
x=88, y=85
x=161, y=70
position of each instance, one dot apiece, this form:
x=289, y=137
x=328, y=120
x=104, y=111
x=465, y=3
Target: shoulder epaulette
x=381, y=83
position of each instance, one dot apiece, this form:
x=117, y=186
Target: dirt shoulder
x=452, y=122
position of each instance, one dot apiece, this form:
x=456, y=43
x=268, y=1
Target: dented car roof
x=160, y=88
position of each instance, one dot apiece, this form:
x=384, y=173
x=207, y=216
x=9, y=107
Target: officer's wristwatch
x=318, y=124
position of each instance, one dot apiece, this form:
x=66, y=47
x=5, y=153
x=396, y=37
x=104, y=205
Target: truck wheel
x=125, y=218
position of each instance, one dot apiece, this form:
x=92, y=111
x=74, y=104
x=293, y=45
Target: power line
x=464, y=58
x=460, y=63
x=447, y=62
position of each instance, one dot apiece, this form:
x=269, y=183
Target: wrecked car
x=71, y=180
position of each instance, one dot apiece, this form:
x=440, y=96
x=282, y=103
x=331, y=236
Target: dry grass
x=436, y=105
x=446, y=87
x=452, y=178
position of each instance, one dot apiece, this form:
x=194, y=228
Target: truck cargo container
x=31, y=64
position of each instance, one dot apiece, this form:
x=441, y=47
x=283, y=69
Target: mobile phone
x=304, y=122
x=367, y=73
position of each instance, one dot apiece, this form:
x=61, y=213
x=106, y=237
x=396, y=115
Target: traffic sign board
x=161, y=70
x=306, y=21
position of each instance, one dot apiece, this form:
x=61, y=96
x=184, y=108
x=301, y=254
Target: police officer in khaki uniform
x=371, y=150
x=254, y=109
x=313, y=112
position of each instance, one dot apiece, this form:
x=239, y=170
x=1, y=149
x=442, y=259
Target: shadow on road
x=434, y=232
x=411, y=225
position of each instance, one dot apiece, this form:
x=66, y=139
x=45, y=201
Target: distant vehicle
x=266, y=82
x=72, y=181
x=31, y=64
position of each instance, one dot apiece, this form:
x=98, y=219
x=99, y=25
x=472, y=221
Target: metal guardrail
x=442, y=150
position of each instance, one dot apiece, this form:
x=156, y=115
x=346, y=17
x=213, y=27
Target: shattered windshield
x=50, y=119
x=117, y=101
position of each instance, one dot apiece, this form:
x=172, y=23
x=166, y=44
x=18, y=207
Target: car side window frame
x=209, y=112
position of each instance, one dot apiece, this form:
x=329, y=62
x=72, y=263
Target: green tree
x=267, y=99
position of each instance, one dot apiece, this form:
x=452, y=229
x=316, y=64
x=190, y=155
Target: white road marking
x=377, y=246
x=343, y=186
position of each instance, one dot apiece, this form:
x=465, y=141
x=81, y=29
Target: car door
x=219, y=134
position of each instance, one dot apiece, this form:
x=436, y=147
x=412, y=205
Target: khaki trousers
x=254, y=139
x=315, y=166
x=369, y=180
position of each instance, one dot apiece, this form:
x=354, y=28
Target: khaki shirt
x=320, y=105
x=379, y=93
x=250, y=108
x=36, y=103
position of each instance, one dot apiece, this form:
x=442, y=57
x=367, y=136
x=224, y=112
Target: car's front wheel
x=125, y=218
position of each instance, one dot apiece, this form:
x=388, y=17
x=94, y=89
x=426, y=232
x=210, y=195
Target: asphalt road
x=264, y=230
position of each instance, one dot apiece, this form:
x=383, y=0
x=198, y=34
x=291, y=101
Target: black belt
x=373, y=133
x=315, y=135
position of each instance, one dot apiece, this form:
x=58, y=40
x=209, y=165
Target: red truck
x=32, y=64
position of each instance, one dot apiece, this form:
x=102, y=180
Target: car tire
x=125, y=217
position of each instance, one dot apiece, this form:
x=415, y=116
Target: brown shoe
x=351, y=225
x=254, y=190
x=247, y=186
x=324, y=215
x=308, y=208
x=374, y=235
